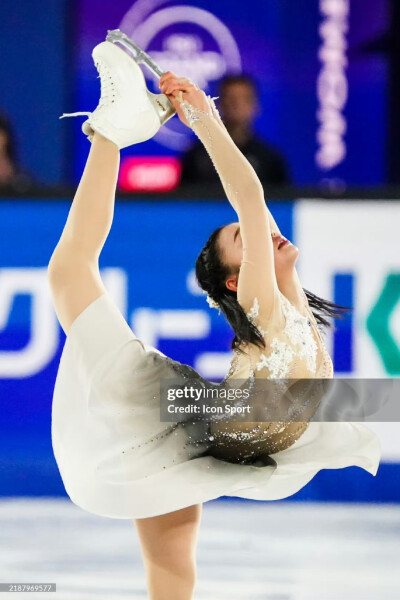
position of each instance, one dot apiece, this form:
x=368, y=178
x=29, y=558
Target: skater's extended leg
x=168, y=545
x=73, y=268
x=125, y=115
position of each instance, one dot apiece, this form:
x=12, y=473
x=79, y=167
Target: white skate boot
x=127, y=112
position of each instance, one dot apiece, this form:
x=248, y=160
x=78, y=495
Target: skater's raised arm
x=272, y=223
x=243, y=188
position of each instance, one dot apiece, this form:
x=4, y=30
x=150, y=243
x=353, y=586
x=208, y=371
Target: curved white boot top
x=125, y=113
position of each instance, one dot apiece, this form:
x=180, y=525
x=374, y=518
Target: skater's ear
x=232, y=283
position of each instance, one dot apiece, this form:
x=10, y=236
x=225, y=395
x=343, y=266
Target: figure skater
x=116, y=457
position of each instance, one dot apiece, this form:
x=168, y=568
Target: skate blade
x=139, y=55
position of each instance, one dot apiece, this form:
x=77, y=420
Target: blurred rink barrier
x=349, y=253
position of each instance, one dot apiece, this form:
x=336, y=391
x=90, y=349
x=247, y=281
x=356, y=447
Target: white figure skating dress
x=115, y=455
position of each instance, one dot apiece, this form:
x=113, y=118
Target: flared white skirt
x=118, y=459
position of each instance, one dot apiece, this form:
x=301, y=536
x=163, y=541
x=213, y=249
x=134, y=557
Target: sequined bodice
x=294, y=351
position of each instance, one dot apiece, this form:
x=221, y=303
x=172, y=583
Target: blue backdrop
x=312, y=69
x=37, y=58
x=50, y=71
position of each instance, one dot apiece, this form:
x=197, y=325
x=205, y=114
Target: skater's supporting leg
x=73, y=268
x=169, y=552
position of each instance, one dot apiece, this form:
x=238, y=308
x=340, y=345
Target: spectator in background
x=238, y=105
x=12, y=177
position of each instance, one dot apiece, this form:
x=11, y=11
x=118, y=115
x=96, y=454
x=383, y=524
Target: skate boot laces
x=108, y=92
x=108, y=88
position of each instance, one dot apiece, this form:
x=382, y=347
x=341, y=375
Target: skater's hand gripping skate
x=178, y=90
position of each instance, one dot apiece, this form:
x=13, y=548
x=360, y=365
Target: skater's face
x=231, y=248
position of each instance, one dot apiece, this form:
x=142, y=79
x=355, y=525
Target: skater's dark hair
x=211, y=274
x=5, y=127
